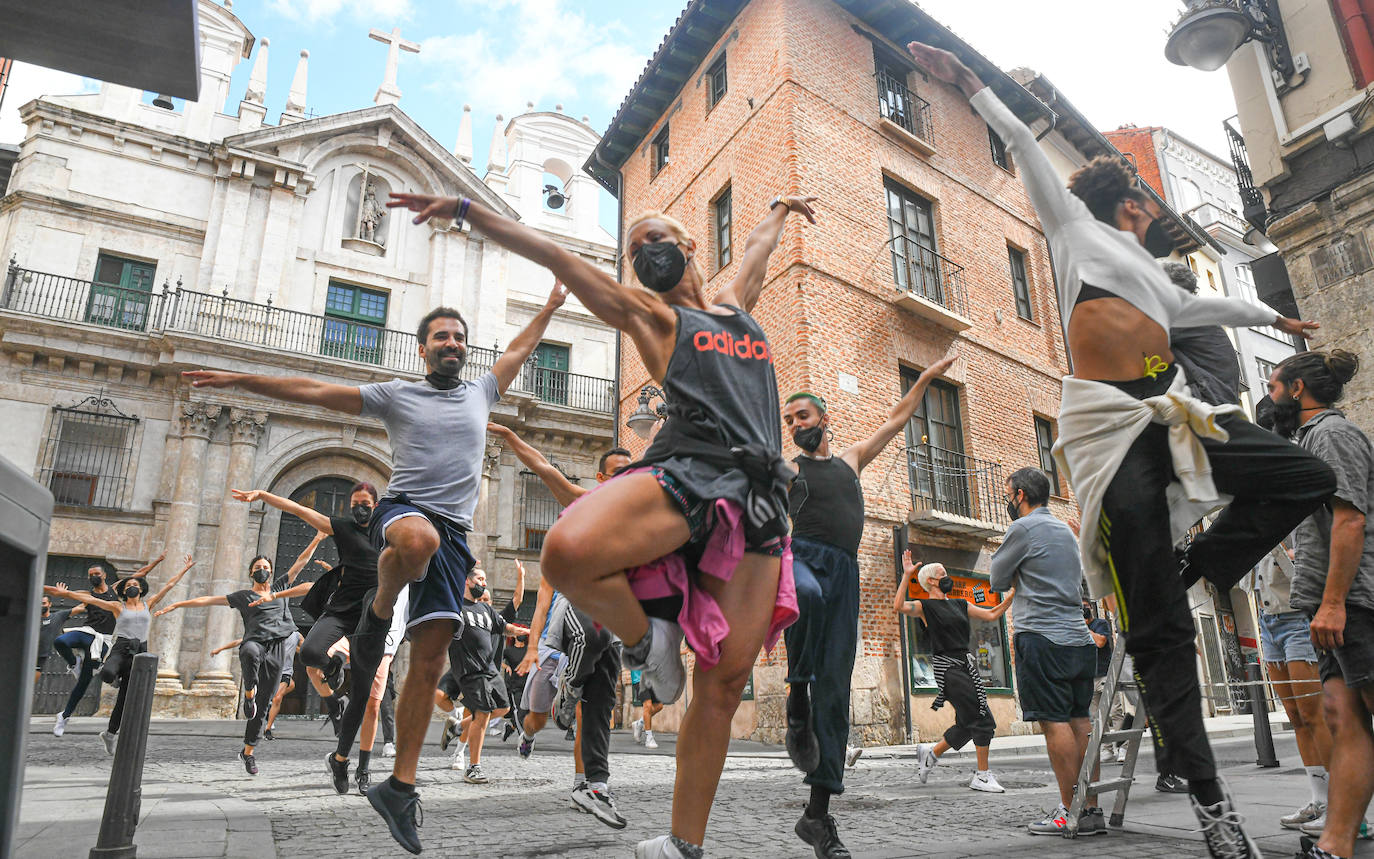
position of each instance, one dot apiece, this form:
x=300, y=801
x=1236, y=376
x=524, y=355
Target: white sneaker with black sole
x=925, y=761
x=599, y=804
x=474, y=775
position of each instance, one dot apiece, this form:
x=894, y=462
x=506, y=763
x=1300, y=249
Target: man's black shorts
x=1054, y=682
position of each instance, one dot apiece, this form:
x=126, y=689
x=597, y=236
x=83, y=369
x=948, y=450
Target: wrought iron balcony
x=904, y=108
x=952, y=491
x=931, y=285
x=232, y=320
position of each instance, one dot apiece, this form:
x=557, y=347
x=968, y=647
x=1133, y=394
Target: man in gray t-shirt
x=1055, y=656
x=437, y=430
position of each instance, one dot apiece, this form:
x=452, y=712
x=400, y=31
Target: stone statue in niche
x=370, y=216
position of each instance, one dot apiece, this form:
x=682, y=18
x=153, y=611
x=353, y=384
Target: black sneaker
x=248, y=763
x=565, y=704
x=250, y=707
x=802, y=745
x=449, y=732
x=334, y=673
x=364, y=780
x=1308, y=849
x=1222, y=828
x=1170, y=784
x=1092, y=822
x=337, y=705
x=267, y=735
x=402, y=812
x=820, y=833
x=598, y=804
x=571, y=735
x=506, y=732
x=338, y=772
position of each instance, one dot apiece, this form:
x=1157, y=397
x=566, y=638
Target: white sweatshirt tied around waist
x=1099, y=422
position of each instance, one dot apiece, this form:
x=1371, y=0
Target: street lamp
x=643, y=418
x=1210, y=31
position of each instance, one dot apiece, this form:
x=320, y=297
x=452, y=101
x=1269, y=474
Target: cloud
x=28, y=82
x=533, y=50
x=326, y=11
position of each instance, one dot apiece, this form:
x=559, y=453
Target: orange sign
x=976, y=591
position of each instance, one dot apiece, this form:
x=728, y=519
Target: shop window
x=988, y=642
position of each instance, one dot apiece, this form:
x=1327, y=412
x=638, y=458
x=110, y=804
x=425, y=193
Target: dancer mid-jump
x=713, y=484
x=1125, y=436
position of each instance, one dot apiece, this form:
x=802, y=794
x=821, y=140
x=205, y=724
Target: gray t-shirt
x=437, y=441
x=1341, y=445
x=1039, y=557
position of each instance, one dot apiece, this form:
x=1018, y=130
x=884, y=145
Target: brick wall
x=829, y=305
x=1138, y=144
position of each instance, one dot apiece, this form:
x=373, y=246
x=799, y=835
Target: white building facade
x=142, y=241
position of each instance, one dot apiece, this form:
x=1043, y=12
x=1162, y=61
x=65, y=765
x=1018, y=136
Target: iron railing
x=921, y=271
x=956, y=483
x=904, y=107
x=1252, y=201
x=538, y=511
x=220, y=317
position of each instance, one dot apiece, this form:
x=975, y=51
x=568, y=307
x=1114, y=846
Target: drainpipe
x=619, y=254
x=1355, y=26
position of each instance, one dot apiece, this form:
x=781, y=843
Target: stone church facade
x=141, y=241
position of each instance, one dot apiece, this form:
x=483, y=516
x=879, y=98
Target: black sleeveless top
x=826, y=503
x=948, y=626
x=722, y=396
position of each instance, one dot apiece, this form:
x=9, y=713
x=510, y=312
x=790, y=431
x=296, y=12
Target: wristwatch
x=776, y=201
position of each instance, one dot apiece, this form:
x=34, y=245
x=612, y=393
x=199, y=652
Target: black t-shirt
x=826, y=503
x=50, y=629
x=359, y=561
x=1104, y=653
x=948, y=626
x=99, y=619
x=483, y=627
x=263, y=623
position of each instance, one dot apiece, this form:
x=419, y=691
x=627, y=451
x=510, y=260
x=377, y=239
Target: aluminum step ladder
x=1121, y=785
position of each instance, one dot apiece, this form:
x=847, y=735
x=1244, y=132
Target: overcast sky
x=1105, y=56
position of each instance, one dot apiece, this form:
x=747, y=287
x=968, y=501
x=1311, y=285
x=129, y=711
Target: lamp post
x=1210, y=31
x=643, y=418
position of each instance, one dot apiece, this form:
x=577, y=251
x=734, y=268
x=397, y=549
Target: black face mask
x=132, y=592
x=477, y=590
x=261, y=575
x=1013, y=511
x=362, y=513
x=1087, y=613
x=96, y=581
x=1287, y=416
x=1264, y=413
x=660, y=265
x=946, y=585
x=809, y=438
x=1157, y=241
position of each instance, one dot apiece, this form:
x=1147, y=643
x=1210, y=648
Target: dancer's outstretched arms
x=192, y=603
x=564, y=490
x=293, y=389
x=314, y=518
x=900, y=604
x=744, y=290
x=171, y=583
x=60, y=590
x=148, y=567
x=861, y=454
x=508, y=366
x=223, y=647
x=991, y=614
x=648, y=321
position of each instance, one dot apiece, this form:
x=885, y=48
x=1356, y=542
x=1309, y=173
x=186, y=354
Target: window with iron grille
x=911, y=225
x=721, y=219
x=660, y=151
x=938, y=469
x=716, y=83
x=999, y=150
x=354, y=320
x=1020, y=283
x=1044, y=442
x=87, y=457
x=538, y=509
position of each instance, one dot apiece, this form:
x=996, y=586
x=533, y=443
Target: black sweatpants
x=973, y=719
x=118, y=663
x=583, y=642
x=328, y=629
x=261, y=662
x=1275, y=485
x=365, y=656
x=598, y=704
x=387, y=715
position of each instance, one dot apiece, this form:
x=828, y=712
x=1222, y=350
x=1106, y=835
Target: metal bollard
x=1259, y=709
x=124, y=797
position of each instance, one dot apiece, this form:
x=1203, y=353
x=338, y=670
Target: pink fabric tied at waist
x=703, y=623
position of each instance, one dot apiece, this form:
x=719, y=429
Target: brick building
x=926, y=242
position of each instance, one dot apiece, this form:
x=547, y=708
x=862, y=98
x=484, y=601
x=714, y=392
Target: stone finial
x=388, y=92
x=558, y=108
x=257, y=81
x=294, y=111
x=529, y=106
x=463, y=148
x=496, y=160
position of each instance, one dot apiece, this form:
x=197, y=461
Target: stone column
x=246, y=429
x=198, y=419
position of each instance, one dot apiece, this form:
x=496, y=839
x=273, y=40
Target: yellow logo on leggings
x=1154, y=365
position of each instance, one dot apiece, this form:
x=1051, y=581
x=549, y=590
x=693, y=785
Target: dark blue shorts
x=1054, y=682
x=439, y=593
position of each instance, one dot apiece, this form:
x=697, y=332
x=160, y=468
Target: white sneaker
x=851, y=755
x=110, y=741
x=638, y=726
x=1106, y=756
x=388, y=750
x=661, y=847
x=1307, y=814
x=649, y=741
x=60, y=725
x=987, y=782
x=460, y=758
x=663, y=670
x=1121, y=755
x=925, y=761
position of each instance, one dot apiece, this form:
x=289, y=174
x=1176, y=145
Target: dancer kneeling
x=946, y=621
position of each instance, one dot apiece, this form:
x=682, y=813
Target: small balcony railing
x=233, y=320
x=903, y=107
x=957, y=484
x=1209, y=214
x=920, y=271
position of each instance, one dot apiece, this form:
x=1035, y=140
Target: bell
x=164, y=102
x=556, y=198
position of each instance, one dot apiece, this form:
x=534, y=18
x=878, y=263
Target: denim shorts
x=1285, y=638
x=1354, y=661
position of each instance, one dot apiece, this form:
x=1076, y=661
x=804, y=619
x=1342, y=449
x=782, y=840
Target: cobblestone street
x=524, y=811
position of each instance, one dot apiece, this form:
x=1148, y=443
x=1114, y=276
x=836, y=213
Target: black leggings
x=327, y=630
x=118, y=663
x=1274, y=484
